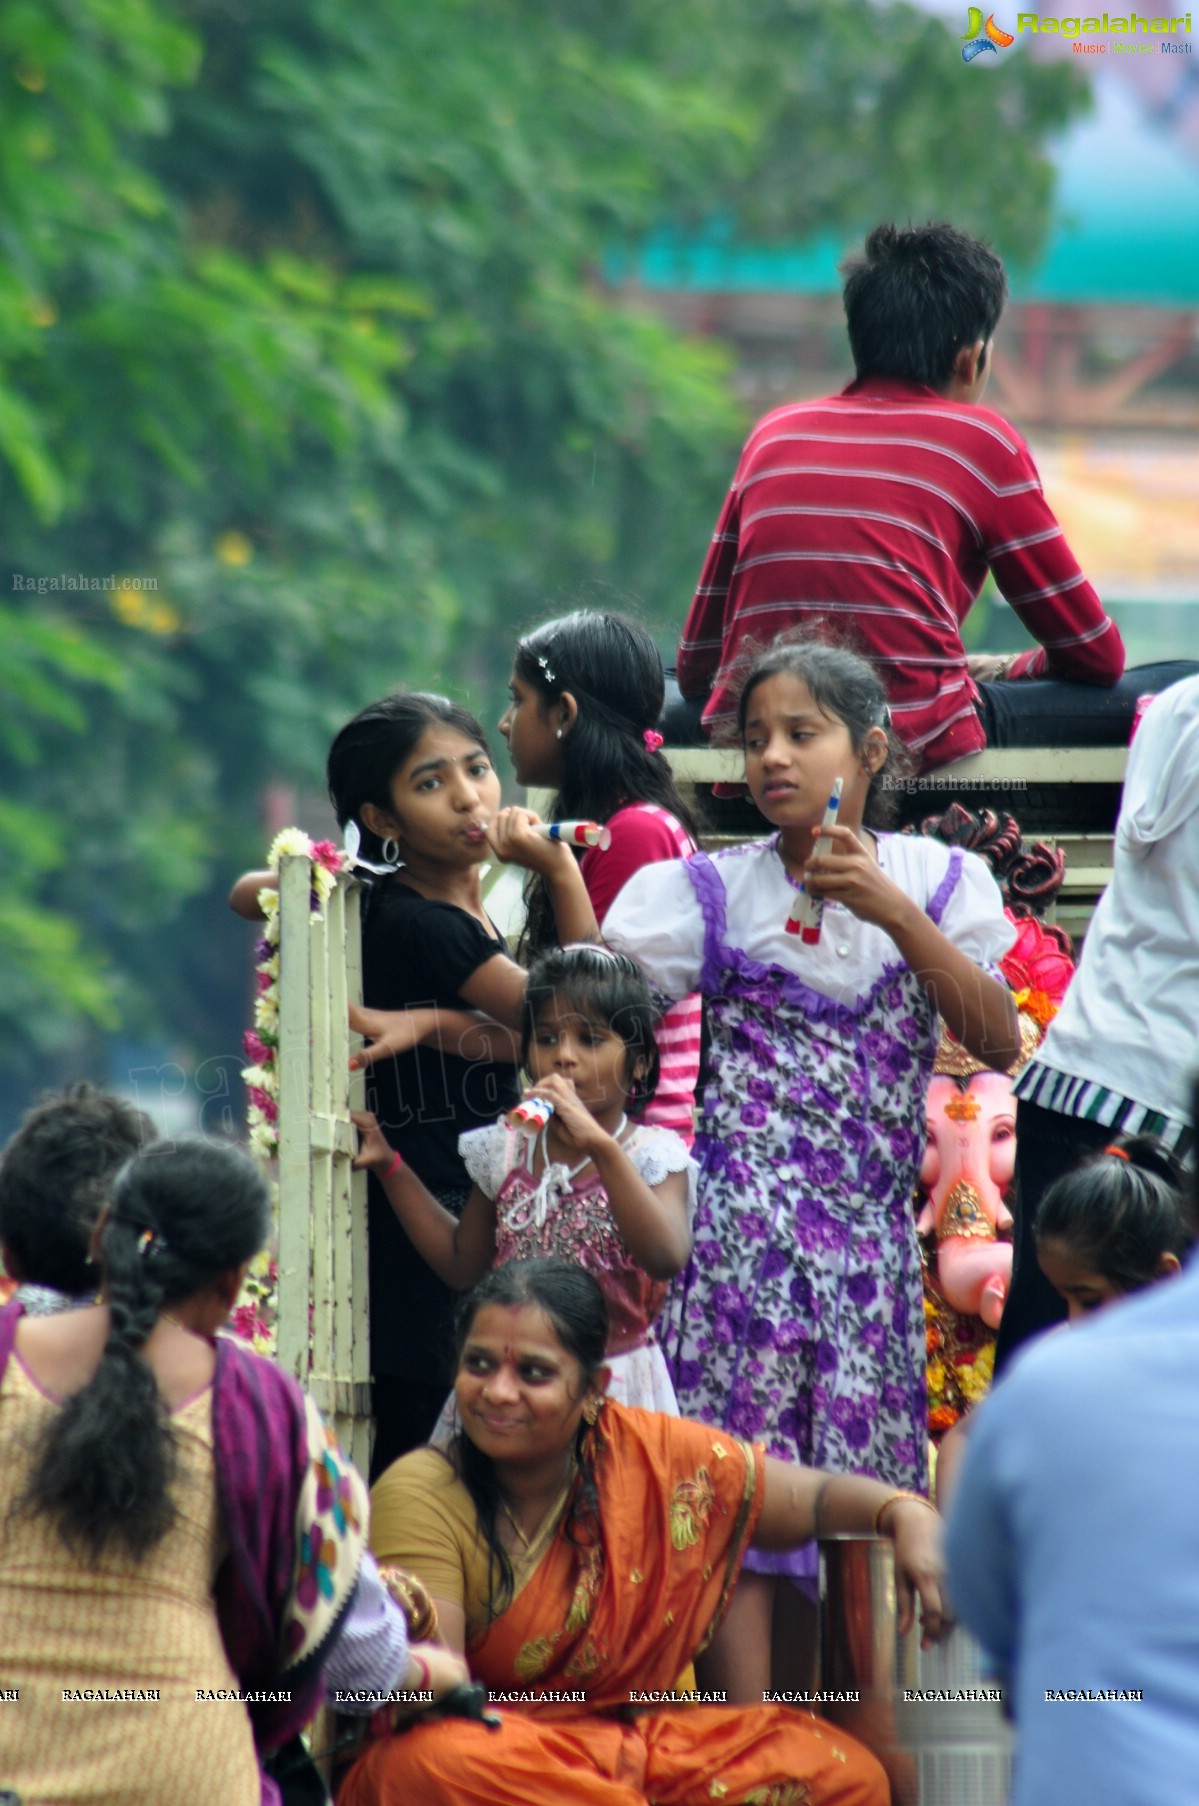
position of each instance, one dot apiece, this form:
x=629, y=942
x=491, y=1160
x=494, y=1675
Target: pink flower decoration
x=257, y=1051
x=653, y=739
x=327, y=854
x=262, y=982
x=1040, y=958
x=245, y=1322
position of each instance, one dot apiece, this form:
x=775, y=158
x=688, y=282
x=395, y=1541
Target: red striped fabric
x=643, y=833
x=882, y=509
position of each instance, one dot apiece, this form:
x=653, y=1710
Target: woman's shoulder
x=746, y=855
x=421, y=1486
x=921, y=864
x=423, y=1470
x=672, y=1446
x=916, y=852
x=399, y=902
x=241, y=1372
x=730, y=862
x=957, y=888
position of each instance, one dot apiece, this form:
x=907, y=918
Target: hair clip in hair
x=352, y=840
x=653, y=739
x=589, y=947
x=1120, y=1153
x=545, y=670
x=146, y=1241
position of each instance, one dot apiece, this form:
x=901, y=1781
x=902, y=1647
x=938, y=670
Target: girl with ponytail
x=586, y=694
x=181, y=1533
x=1117, y=1223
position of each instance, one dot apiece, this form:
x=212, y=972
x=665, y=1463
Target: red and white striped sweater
x=885, y=507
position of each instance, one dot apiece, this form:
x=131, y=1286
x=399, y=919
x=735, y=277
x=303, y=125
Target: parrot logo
x=983, y=37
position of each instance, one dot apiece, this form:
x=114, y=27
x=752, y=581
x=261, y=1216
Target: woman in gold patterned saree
x=581, y=1554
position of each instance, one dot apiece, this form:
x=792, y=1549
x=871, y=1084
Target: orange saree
x=582, y=1663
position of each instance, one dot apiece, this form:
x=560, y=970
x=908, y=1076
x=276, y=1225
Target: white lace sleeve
x=656, y=1152
x=489, y=1155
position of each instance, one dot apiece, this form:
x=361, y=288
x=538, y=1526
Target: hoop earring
x=391, y=850
x=559, y=733
x=591, y=1412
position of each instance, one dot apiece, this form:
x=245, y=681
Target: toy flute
x=807, y=912
x=576, y=833
x=531, y=1114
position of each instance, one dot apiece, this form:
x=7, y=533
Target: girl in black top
x=414, y=773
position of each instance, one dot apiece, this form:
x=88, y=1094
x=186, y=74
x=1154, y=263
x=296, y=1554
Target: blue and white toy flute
x=808, y=912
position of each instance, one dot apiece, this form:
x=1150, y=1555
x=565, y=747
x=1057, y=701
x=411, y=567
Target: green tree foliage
x=304, y=345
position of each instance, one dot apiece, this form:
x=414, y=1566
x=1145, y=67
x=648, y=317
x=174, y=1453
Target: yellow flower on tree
x=233, y=547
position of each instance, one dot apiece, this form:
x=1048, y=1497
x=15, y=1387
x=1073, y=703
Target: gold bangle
x=893, y=1498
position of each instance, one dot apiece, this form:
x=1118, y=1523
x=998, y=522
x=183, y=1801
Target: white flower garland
x=254, y=1317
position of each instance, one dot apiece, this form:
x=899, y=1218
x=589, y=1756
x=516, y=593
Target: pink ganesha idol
x=970, y=1159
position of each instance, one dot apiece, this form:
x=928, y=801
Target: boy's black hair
x=916, y=296
x=55, y=1176
x=604, y=987
x=1118, y=1213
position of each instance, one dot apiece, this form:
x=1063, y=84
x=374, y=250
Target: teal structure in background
x=1126, y=229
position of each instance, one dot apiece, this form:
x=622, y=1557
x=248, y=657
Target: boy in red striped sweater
x=881, y=510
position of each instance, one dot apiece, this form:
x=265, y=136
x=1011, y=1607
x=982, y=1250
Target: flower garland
x=961, y=1360
x=254, y=1318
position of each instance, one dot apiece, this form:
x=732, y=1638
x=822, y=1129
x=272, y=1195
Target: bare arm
x=462, y=1032
x=497, y=989
x=976, y=1007
x=243, y=898
x=652, y=1219
x=513, y=839
x=801, y=1503
x=950, y=1456
x=459, y=1249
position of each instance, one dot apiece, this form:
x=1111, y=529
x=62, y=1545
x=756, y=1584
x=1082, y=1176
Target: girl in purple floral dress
x=800, y=1320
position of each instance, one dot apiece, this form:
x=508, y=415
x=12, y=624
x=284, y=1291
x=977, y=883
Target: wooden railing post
x=323, y=1333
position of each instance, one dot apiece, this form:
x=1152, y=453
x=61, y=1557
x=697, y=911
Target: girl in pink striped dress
x=586, y=693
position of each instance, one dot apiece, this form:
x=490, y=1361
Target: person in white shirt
x=1117, y=1057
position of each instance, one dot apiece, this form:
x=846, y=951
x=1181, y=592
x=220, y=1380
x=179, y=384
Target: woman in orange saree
x=582, y=1554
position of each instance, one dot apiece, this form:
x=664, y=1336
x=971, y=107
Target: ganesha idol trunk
x=934, y=1721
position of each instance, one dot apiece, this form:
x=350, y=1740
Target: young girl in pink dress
x=586, y=694
x=595, y=1184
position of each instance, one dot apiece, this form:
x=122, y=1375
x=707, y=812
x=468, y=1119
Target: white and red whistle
x=577, y=833
x=531, y=1114
x=807, y=912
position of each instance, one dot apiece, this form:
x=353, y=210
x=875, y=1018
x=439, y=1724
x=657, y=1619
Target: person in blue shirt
x=1073, y=1552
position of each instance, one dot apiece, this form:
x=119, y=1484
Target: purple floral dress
x=800, y=1320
